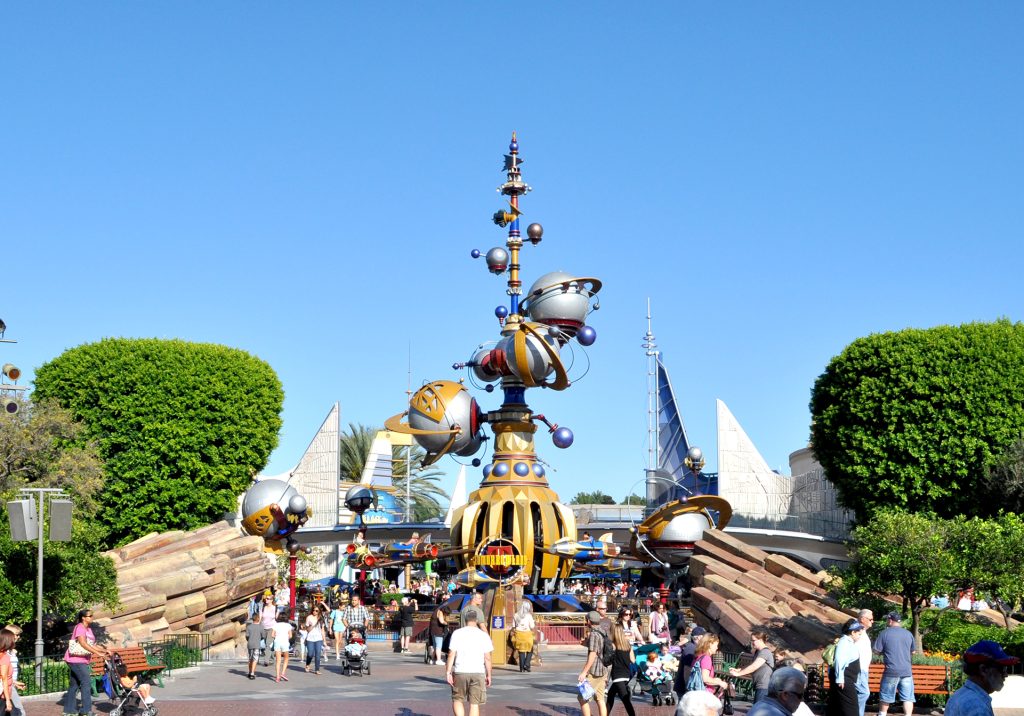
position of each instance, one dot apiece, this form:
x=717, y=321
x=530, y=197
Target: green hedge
x=952, y=631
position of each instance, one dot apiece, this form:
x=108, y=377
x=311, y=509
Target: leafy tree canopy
x=633, y=499
x=182, y=427
x=42, y=446
x=914, y=419
x=592, y=498
x=904, y=554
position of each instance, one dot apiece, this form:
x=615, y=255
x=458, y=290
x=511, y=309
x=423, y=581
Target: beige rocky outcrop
x=738, y=588
x=187, y=582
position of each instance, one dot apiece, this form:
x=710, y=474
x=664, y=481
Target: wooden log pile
x=740, y=588
x=182, y=582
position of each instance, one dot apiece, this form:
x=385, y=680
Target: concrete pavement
x=399, y=685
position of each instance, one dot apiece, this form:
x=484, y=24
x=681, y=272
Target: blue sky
x=306, y=181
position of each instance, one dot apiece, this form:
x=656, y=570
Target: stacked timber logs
x=741, y=588
x=180, y=582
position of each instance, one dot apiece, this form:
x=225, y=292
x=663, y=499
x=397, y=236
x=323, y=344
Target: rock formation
x=741, y=588
x=187, y=582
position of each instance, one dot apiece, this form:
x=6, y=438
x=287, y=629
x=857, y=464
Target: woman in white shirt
x=659, y=625
x=314, y=639
x=523, y=627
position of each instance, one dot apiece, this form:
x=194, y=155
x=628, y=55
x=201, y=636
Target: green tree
x=900, y=553
x=592, y=498
x=989, y=559
x=633, y=499
x=913, y=418
x=424, y=488
x=1003, y=483
x=181, y=427
x=42, y=446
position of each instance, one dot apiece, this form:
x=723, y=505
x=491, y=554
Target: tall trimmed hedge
x=914, y=419
x=182, y=427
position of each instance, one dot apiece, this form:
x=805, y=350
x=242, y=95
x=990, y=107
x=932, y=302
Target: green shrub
x=952, y=631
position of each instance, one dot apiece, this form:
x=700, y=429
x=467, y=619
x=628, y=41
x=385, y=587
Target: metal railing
x=178, y=651
x=44, y=676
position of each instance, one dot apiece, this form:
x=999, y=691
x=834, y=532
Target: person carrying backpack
x=594, y=673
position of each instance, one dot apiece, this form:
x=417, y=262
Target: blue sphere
x=538, y=469
x=475, y=462
x=522, y=469
x=501, y=312
x=562, y=438
x=500, y=470
x=475, y=253
x=586, y=336
x=487, y=471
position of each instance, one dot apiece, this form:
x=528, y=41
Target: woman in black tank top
x=618, y=680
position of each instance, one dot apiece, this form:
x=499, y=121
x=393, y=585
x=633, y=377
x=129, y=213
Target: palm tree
x=427, y=495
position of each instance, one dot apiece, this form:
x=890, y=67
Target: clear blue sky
x=305, y=181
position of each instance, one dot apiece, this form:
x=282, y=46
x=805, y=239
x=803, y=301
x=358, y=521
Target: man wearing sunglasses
x=785, y=692
x=985, y=665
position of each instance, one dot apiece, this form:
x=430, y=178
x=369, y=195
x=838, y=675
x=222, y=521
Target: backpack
x=829, y=654
x=696, y=680
x=607, y=648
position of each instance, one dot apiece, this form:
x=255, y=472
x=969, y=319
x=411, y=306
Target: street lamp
x=27, y=520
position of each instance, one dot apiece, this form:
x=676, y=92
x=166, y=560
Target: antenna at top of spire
x=513, y=146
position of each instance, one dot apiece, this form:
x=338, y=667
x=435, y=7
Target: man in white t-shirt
x=469, y=666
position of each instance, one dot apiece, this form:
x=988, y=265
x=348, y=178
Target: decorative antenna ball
x=534, y=232
x=358, y=498
x=297, y=504
x=586, y=336
x=501, y=313
x=562, y=438
x=497, y=260
x=475, y=253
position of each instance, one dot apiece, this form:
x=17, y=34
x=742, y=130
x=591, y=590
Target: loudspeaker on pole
x=24, y=525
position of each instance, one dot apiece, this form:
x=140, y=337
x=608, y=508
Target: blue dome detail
x=522, y=469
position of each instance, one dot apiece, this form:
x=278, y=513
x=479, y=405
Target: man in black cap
x=895, y=644
x=985, y=666
x=686, y=658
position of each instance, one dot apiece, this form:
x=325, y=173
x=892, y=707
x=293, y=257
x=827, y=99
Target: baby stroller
x=126, y=700
x=658, y=686
x=353, y=656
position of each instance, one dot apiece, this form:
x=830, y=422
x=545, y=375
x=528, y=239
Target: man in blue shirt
x=985, y=667
x=896, y=644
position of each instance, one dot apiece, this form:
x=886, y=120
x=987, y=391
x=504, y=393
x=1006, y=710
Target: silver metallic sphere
x=538, y=363
x=497, y=260
x=484, y=367
x=297, y=505
x=263, y=506
x=460, y=409
x=534, y=232
x=695, y=454
x=559, y=299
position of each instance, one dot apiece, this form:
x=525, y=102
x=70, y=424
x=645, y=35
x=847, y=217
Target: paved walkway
x=399, y=685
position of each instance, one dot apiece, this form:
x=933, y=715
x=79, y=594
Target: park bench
x=135, y=661
x=928, y=678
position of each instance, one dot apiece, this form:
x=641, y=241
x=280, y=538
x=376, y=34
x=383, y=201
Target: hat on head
x=894, y=616
x=852, y=626
x=698, y=631
x=988, y=652
x=594, y=618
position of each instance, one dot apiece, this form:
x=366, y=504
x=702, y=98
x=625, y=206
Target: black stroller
x=126, y=700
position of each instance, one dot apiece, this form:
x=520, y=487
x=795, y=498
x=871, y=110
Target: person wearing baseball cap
x=985, y=665
x=896, y=645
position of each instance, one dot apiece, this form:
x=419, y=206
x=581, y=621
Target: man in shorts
x=468, y=669
x=895, y=644
x=594, y=671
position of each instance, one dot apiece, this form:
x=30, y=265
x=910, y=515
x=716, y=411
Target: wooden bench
x=135, y=661
x=928, y=678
